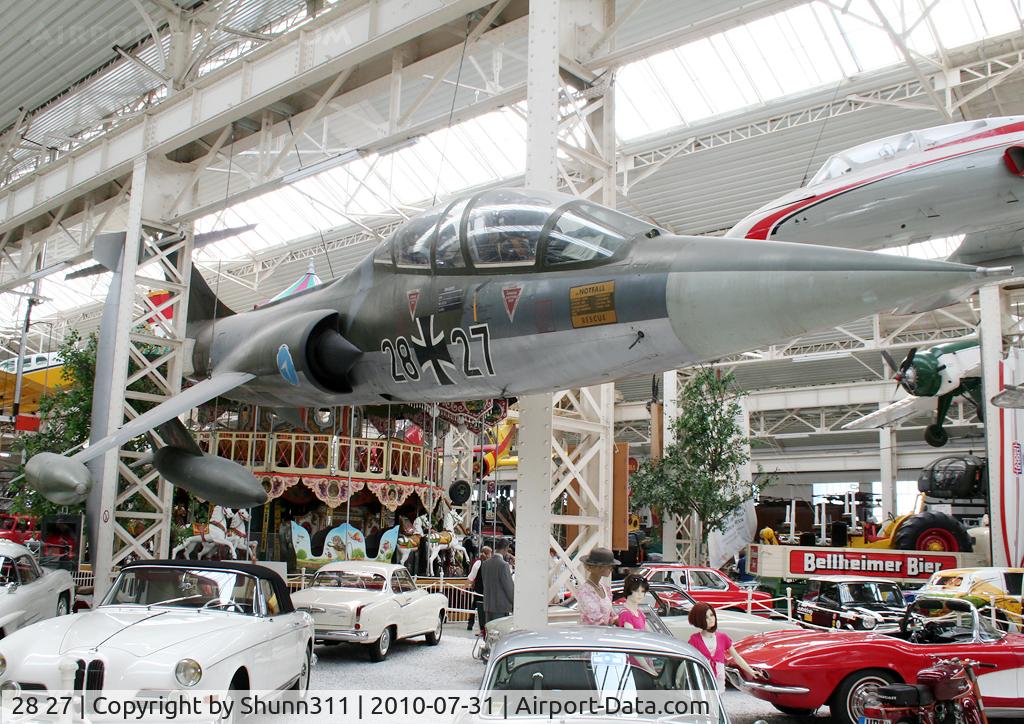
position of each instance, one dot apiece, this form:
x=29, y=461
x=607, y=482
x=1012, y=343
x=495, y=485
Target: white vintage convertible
x=29, y=593
x=373, y=604
x=171, y=626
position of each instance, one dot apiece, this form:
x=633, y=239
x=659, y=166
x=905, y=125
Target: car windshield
x=950, y=620
x=871, y=592
x=7, y=524
x=613, y=674
x=193, y=588
x=952, y=582
x=7, y=574
x=359, y=580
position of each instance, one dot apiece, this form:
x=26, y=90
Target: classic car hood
x=336, y=597
x=143, y=631
x=780, y=645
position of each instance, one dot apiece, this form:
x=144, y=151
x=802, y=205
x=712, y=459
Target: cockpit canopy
x=510, y=228
x=887, y=149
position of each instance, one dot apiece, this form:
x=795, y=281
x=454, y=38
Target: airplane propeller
x=901, y=377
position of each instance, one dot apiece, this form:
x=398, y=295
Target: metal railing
x=461, y=600
x=325, y=455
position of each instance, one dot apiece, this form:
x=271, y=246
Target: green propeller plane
x=934, y=376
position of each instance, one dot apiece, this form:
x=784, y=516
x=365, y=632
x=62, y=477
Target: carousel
x=347, y=484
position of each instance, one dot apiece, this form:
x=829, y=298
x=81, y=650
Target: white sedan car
x=30, y=593
x=171, y=626
x=369, y=603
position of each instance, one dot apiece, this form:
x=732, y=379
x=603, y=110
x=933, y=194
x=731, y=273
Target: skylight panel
x=754, y=57
x=733, y=68
x=957, y=23
x=931, y=249
x=714, y=81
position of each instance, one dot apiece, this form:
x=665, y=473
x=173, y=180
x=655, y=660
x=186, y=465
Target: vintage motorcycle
x=947, y=692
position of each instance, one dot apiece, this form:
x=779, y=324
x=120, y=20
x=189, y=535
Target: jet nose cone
x=729, y=295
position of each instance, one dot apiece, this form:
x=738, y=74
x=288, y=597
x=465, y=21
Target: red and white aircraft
x=960, y=178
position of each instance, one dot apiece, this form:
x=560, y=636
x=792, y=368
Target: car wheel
x=793, y=711
x=434, y=637
x=237, y=691
x=847, y=703
x=380, y=648
x=62, y=606
x=301, y=685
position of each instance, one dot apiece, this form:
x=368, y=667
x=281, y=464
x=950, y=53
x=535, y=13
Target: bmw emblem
x=286, y=366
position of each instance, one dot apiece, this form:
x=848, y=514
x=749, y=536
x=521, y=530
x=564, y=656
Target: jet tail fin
x=203, y=304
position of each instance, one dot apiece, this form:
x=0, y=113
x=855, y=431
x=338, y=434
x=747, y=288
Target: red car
x=707, y=584
x=841, y=670
x=18, y=528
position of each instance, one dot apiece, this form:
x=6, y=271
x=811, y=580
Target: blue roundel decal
x=286, y=366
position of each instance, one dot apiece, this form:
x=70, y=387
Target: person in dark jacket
x=499, y=591
x=476, y=584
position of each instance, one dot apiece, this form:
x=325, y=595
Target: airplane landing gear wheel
x=936, y=435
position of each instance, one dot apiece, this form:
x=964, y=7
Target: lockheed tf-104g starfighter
x=503, y=293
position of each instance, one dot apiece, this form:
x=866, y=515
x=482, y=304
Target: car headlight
x=188, y=672
x=869, y=621
x=3, y=664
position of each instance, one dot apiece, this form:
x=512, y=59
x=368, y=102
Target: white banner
x=1006, y=482
x=738, y=531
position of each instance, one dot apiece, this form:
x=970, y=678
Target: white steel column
x=143, y=367
x=887, y=470
x=671, y=525
x=991, y=330
x=533, y=486
x=109, y=392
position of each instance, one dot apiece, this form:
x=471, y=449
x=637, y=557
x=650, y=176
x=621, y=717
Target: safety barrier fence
x=462, y=601
x=325, y=455
x=1000, y=618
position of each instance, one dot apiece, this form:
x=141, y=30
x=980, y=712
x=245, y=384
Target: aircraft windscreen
x=866, y=154
x=586, y=232
x=885, y=149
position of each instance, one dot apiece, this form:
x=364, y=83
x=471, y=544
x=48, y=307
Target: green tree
x=67, y=412
x=699, y=472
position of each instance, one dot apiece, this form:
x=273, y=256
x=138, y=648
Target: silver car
x=598, y=672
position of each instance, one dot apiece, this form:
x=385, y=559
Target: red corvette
x=707, y=584
x=809, y=669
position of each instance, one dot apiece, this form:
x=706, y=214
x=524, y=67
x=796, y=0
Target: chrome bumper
x=359, y=637
x=751, y=686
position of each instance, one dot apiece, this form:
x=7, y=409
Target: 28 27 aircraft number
x=409, y=356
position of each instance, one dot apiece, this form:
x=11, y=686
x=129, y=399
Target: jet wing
x=891, y=413
x=180, y=403
x=1012, y=397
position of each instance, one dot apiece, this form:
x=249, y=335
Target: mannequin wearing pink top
x=716, y=646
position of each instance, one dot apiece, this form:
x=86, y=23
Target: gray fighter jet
x=504, y=293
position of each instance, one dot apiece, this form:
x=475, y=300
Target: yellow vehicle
x=41, y=374
x=998, y=587
x=921, y=530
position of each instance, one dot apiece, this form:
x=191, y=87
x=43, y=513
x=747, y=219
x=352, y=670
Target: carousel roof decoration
x=474, y=415
x=305, y=282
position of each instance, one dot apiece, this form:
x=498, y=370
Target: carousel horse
x=238, y=535
x=409, y=536
x=207, y=535
x=445, y=540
